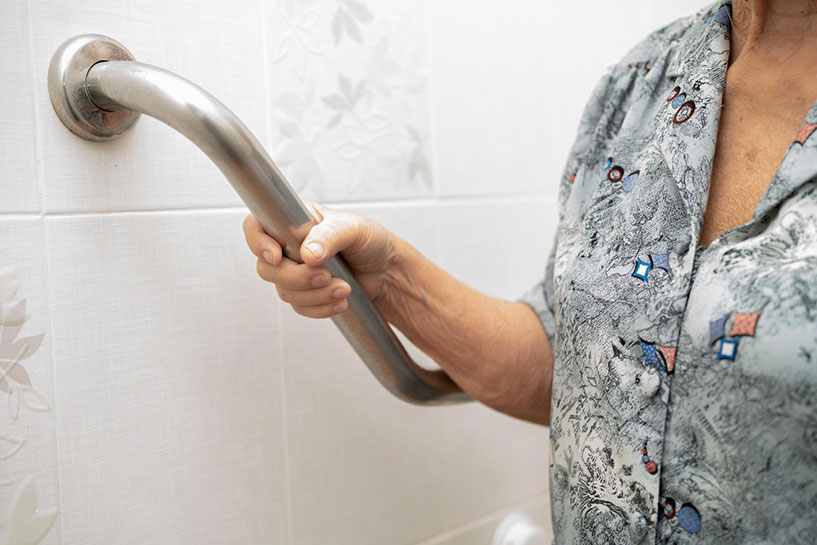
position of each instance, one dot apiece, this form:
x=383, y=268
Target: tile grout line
x=449, y=200
x=453, y=200
x=85, y=213
x=38, y=147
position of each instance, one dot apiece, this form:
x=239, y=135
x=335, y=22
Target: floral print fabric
x=685, y=377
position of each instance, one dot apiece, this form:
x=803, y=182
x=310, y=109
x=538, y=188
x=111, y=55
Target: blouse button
x=638, y=527
x=649, y=382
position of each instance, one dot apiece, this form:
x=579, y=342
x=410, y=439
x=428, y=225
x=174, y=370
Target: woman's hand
x=496, y=350
x=308, y=287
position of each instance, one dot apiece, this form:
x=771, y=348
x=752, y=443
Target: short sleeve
x=540, y=297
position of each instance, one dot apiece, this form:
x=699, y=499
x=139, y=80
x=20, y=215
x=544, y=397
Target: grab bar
x=98, y=91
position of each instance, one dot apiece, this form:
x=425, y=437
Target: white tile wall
x=482, y=530
x=351, y=442
x=28, y=444
x=184, y=405
x=491, y=99
x=365, y=468
x=169, y=398
x=593, y=35
x=17, y=118
x=498, y=246
x=217, y=45
x=349, y=94
x=510, y=82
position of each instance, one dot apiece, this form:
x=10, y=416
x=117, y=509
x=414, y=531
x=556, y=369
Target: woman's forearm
x=495, y=350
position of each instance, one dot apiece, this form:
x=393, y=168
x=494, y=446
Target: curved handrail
x=115, y=85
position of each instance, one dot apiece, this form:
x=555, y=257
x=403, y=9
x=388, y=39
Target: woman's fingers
x=260, y=243
x=321, y=311
x=335, y=292
x=308, y=286
x=294, y=276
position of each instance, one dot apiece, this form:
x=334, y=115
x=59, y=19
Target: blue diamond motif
x=728, y=349
x=650, y=354
x=642, y=268
x=716, y=329
x=724, y=15
x=628, y=183
x=661, y=261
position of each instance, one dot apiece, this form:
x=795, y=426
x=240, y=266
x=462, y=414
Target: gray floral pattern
x=685, y=377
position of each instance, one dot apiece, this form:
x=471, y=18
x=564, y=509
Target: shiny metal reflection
x=98, y=92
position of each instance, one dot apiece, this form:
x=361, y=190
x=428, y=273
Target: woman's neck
x=774, y=30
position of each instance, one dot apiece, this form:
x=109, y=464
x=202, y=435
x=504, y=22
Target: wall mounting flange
x=66, y=87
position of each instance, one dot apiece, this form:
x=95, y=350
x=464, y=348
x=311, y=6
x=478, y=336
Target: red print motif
x=744, y=324
x=804, y=132
x=669, y=356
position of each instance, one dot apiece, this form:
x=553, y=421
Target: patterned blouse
x=685, y=376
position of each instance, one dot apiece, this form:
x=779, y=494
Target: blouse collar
x=700, y=62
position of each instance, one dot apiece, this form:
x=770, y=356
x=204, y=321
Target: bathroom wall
x=153, y=390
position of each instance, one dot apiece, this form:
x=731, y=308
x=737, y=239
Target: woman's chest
x=631, y=270
x=741, y=428
x=755, y=130
x=671, y=360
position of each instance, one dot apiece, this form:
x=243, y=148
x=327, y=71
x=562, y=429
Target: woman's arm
x=495, y=350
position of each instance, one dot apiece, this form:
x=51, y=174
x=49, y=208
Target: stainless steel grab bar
x=98, y=91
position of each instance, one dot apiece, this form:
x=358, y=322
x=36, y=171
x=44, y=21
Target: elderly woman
x=672, y=344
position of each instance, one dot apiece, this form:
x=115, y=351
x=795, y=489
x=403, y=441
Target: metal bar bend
x=98, y=91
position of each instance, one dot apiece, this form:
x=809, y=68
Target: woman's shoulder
x=629, y=83
x=646, y=65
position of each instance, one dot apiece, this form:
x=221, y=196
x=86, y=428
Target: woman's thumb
x=335, y=233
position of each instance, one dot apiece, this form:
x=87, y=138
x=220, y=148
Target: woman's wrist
x=496, y=350
x=434, y=311
x=402, y=289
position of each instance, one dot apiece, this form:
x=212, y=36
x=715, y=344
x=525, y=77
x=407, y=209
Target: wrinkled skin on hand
x=308, y=287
